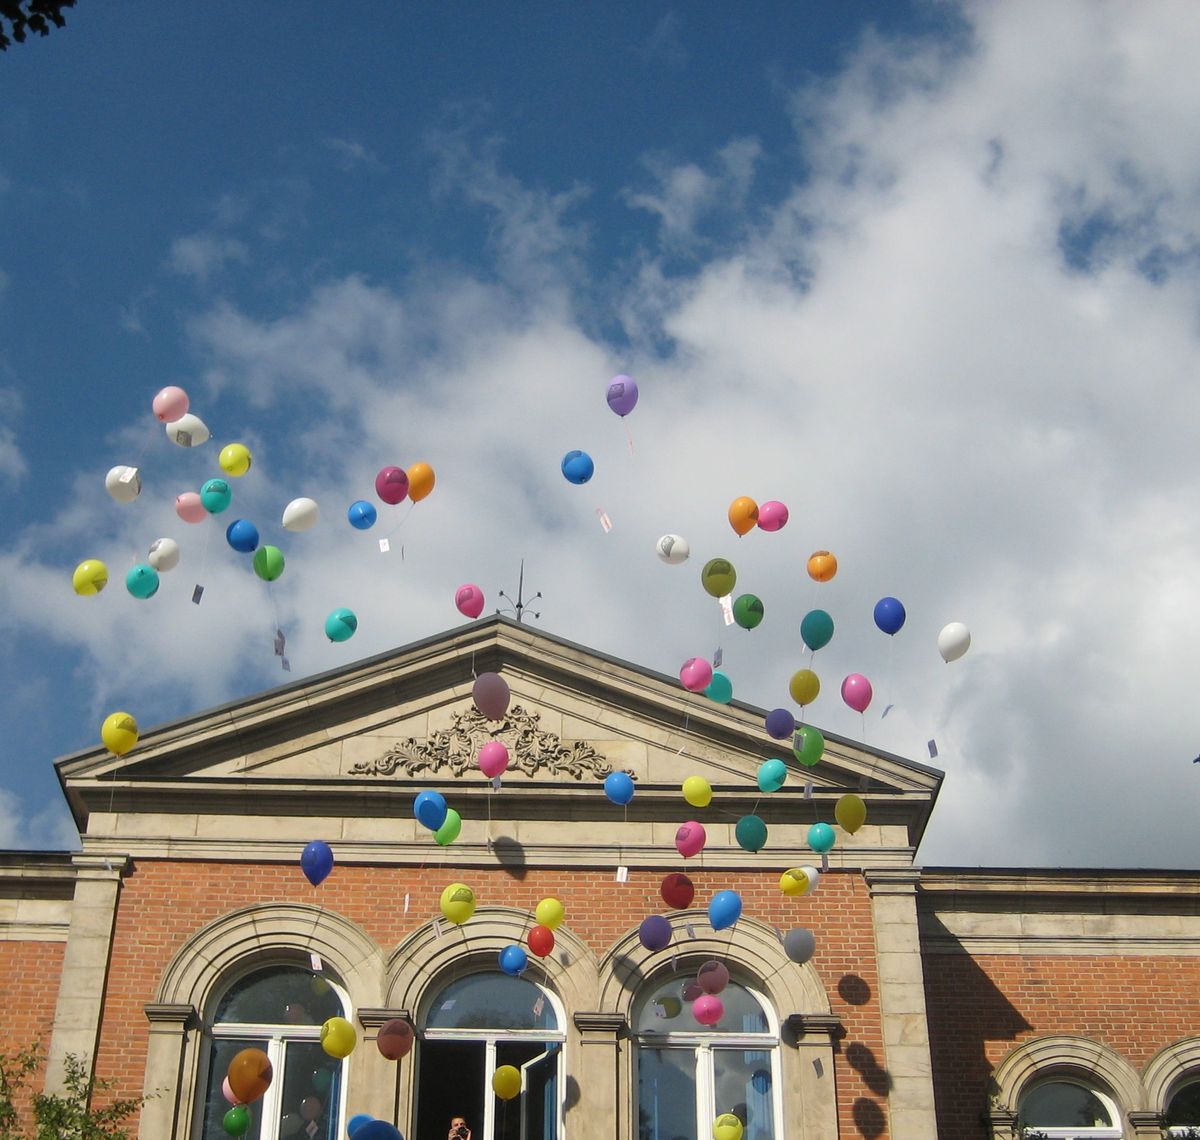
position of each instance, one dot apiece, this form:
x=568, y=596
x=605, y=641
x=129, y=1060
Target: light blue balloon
x=142, y=581
x=618, y=786
x=513, y=960
x=771, y=775
x=724, y=910
x=362, y=515
x=720, y=689
x=215, y=496
x=340, y=625
x=821, y=838
x=430, y=809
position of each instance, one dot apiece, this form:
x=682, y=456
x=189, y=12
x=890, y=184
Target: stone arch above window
x=1081, y=1059
x=1169, y=1070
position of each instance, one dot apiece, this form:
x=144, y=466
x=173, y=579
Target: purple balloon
x=780, y=724
x=491, y=695
x=622, y=395
x=655, y=932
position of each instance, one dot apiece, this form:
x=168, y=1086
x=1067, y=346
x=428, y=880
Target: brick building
x=939, y=1002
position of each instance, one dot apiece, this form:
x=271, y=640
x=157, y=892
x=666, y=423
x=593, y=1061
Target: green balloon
x=816, y=629
x=718, y=577
x=748, y=611
x=237, y=1120
x=448, y=832
x=268, y=563
x=751, y=833
x=808, y=745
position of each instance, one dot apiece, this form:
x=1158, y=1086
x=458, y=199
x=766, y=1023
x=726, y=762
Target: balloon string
x=628, y=435
x=401, y=523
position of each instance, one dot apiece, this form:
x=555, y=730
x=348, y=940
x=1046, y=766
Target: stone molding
x=1170, y=1068
x=600, y=1023
x=182, y=1014
x=1069, y=1055
x=814, y=1024
x=892, y=880
x=376, y=1018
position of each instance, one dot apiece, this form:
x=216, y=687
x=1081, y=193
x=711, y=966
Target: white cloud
x=201, y=255
x=350, y=153
x=12, y=460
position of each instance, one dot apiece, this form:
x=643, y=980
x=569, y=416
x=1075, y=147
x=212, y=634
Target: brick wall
x=29, y=973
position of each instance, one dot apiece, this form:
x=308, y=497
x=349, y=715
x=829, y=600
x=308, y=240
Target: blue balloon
x=772, y=775
x=242, y=535
x=655, y=932
x=316, y=861
x=821, y=838
x=356, y=1122
x=618, y=786
x=377, y=1130
x=720, y=689
x=513, y=960
x=430, y=809
x=780, y=724
x=577, y=467
x=890, y=615
x=725, y=909
x=362, y=515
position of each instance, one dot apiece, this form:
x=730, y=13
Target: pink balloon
x=493, y=759
x=469, y=599
x=772, y=516
x=708, y=1009
x=228, y=1093
x=170, y=404
x=690, y=838
x=391, y=485
x=491, y=695
x=189, y=507
x=857, y=692
x=696, y=674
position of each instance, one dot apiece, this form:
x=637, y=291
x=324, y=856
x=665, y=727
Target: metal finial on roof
x=520, y=605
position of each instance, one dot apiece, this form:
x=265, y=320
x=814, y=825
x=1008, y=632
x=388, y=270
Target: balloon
x=227, y=1092
x=300, y=514
x=727, y=1127
x=718, y=577
x=236, y=1121
x=669, y=1006
x=712, y=977
x=377, y=1130
x=123, y=483
x=811, y=747
x=189, y=507
x=743, y=515
x=850, y=812
x=242, y=535
x=316, y=861
x=268, y=563
x=953, y=641
x=772, y=774
x=362, y=515
x=799, y=881
x=391, y=485
x=799, y=945
x=719, y=689
x=188, y=431
x=821, y=838
x=142, y=580
x=805, y=686
x=697, y=791
x=215, y=495
x=780, y=724
x=493, y=758
x=357, y=1121
x=340, y=625
x=458, y=903
x=691, y=990
x=748, y=611
x=235, y=459
x=90, y=577
x=338, y=1038
x=420, y=481
x=513, y=960
x=677, y=890
x=622, y=395
x=708, y=1009
x=822, y=566
x=577, y=467
x=395, y=1039
x=816, y=630
x=163, y=554
x=695, y=674
x=491, y=695
x=857, y=692
x=541, y=940
x=890, y=615
x=170, y=404
x=311, y=1108
x=772, y=516
x=430, y=809
x=654, y=932
x=750, y=833
x=689, y=839
x=760, y=1081
x=724, y=909
x=249, y=1075
x=506, y=1082
x=672, y=549
x=469, y=600
x=549, y=913
x=119, y=732
x=619, y=787
x=450, y=829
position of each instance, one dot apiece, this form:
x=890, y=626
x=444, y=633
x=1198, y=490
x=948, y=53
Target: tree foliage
x=19, y=17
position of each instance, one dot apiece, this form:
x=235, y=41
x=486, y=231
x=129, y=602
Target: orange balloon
x=743, y=515
x=822, y=566
x=420, y=481
x=249, y=1075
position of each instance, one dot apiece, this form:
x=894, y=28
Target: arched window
x=688, y=1073
x=1183, y=1111
x=475, y=1025
x=279, y=1009
x=1060, y=1109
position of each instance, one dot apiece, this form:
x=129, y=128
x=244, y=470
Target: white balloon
x=164, y=554
x=954, y=641
x=188, y=431
x=123, y=483
x=673, y=549
x=301, y=514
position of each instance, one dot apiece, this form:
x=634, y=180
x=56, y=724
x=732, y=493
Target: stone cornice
x=892, y=880
x=91, y=864
x=600, y=1022
x=373, y=1018
x=803, y=1024
x=1031, y=945
x=171, y=1013
x=941, y=883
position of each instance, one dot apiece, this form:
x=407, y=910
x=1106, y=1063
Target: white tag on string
x=280, y=643
x=824, y=862
x=315, y=959
x=449, y=1004
x=886, y=711
x=384, y=546
x=778, y=933
x=718, y=657
x=539, y=1005
x=690, y=930
x=933, y=750
x=287, y=665
x=808, y=789
x=128, y=475
x=495, y=783
x=727, y=608
x=406, y=902
x=437, y=933
x=622, y=874
x=197, y=594
x=605, y=521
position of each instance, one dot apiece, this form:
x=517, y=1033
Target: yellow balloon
x=798, y=881
x=549, y=913
x=338, y=1037
x=235, y=459
x=727, y=1127
x=420, y=481
x=850, y=812
x=804, y=687
x=90, y=577
x=743, y=515
x=119, y=732
x=822, y=566
x=697, y=791
x=458, y=903
x=506, y=1082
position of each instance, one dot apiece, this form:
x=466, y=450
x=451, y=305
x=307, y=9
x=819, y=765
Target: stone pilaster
x=1146, y=1124
x=383, y=1088
x=809, y=1076
x=164, y=1115
x=1003, y=1123
x=602, y=1110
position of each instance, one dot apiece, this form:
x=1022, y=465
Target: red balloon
x=491, y=695
x=395, y=1038
x=541, y=940
x=677, y=891
x=311, y=1108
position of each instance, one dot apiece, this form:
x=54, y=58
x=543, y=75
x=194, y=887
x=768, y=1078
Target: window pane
x=525, y=1117
x=666, y=1011
x=223, y=1051
x=279, y=995
x=743, y=1083
x=666, y=1094
x=1063, y=1104
x=1185, y=1106
x=492, y=1001
x=311, y=1092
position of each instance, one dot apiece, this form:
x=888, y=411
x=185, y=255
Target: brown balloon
x=249, y=1075
x=491, y=695
x=395, y=1039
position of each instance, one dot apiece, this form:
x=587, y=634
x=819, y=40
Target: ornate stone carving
x=531, y=750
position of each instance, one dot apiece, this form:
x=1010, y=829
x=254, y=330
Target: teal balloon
x=816, y=630
x=821, y=838
x=748, y=611
x=808, y=745
x=215, y=496
x=142, y=581
x=340, y=625
x=720, y=689
x=771, y=775
x=750, y=833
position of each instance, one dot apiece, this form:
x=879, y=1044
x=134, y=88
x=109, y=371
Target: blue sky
x=925, y=272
